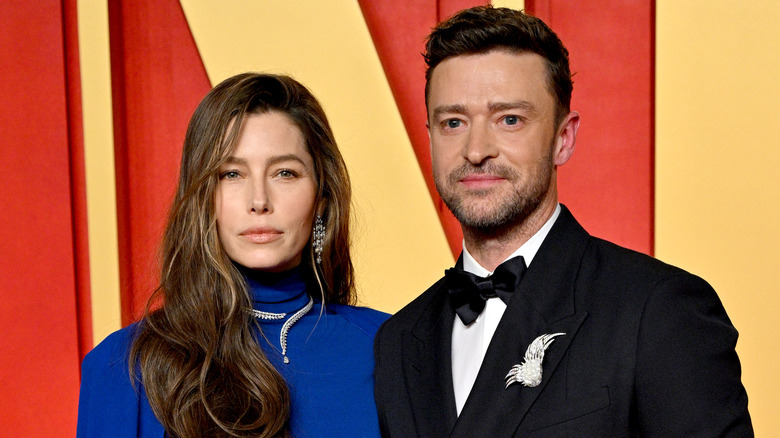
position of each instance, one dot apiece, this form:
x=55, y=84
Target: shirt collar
x=528, y=250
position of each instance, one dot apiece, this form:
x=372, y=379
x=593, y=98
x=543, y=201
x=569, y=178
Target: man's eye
x=511, y=120
x=453, y=123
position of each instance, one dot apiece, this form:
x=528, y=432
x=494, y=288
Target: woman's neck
x=276, y=292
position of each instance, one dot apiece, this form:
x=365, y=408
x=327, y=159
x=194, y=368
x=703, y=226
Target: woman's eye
x=230, y=174
x=287, y=173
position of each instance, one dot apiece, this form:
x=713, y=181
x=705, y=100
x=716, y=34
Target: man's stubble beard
x=513, y=209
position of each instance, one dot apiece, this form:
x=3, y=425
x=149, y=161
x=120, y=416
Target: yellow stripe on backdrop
x=512, y=4
x=717, y=159
x=99, y=163
x=399, y=244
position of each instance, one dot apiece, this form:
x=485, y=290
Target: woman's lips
x=260, y=235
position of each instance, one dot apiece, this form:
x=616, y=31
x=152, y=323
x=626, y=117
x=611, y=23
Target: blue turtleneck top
x=329, y=374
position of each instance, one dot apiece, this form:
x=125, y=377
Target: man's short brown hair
x=484, y=28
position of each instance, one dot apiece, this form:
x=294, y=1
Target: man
x=541, y=329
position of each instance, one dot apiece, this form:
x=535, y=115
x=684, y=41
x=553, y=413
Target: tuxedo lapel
x=543, y=304
x=491, y=410
x=428, y=369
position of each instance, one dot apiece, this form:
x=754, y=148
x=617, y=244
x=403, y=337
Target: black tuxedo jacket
x=648, y=351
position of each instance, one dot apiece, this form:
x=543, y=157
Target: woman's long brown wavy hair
x=197, y=355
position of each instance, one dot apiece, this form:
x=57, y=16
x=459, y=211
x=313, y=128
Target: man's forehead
x=503, y=52
x=495, y=79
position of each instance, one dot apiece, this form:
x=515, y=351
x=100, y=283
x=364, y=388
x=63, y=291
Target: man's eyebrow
x=449, y=109
x=492, y=106
x=503, y=106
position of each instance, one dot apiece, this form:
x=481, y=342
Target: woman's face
x=265, y=195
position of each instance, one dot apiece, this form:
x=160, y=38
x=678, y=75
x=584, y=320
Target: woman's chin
x=266, y=265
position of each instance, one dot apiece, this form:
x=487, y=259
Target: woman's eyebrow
x=286, y=157
x=276, y=159
x=235, y=160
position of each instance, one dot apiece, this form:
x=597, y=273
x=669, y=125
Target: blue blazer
x=330, y=378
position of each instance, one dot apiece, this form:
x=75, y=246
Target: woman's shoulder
x=110, y=404
x=112, y=351
x=365, y=318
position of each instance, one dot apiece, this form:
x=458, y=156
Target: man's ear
x=566, y=138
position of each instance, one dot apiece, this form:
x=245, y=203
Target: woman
x=255, y=335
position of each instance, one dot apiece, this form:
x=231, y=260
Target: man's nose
x=480, y=144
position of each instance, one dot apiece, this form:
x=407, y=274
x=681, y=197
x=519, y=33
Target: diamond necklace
x=270, y=316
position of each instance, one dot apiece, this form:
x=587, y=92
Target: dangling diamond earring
x=319, y=238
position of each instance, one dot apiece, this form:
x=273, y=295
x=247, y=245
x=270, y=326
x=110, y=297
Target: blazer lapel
x=543, y=304
x=428, y=369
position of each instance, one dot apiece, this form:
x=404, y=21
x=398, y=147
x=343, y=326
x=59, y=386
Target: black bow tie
x=468, y=292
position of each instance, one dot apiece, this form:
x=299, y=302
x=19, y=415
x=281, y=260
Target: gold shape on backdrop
x=327, y=46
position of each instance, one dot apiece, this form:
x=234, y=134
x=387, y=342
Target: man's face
x=493, y=137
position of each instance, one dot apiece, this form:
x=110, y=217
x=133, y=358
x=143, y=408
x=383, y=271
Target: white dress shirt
x=470, y=342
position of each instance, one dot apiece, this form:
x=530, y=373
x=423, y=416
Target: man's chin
x=482, y=218
x=492, y=214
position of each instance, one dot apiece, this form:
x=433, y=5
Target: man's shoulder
x=614, y=258
x=630, y=281
x=409, y=314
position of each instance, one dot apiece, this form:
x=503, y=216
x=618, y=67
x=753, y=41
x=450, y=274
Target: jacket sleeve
x=688, y=373
x=392, y=401
x=380, y=384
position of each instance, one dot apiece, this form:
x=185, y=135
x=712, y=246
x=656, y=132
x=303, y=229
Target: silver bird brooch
x=529, y=373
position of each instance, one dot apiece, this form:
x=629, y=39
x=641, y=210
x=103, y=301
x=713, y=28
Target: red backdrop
x=158, y=79
x=44, y=273
x=608, y=184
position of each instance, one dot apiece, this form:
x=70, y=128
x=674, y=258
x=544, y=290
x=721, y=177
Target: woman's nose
x=259, y=201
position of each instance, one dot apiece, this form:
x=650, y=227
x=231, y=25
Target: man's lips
x=480, y=180
x=260, y=235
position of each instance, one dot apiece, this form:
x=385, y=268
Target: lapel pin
x=529, y=373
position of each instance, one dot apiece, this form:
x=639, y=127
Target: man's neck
x=491, y=248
